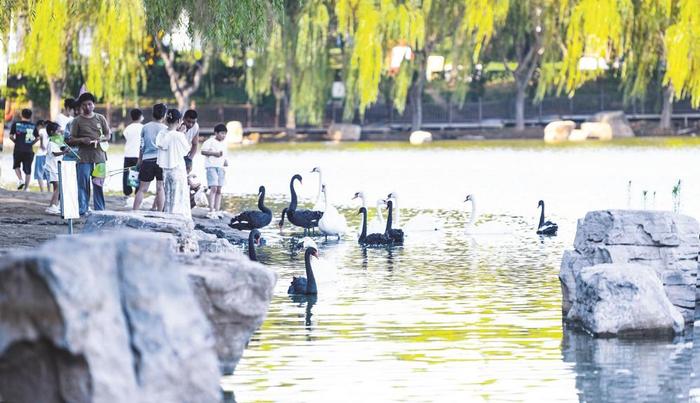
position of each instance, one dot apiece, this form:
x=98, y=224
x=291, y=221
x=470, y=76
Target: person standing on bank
x=67, y=114
x=40, y=154
x=132, y=134
x=192, y=134
x=172, y=148
x=215, y=151
x=22, y=134
x=148, y=155
x=87, y=131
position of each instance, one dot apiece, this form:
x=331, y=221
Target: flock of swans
x=377, y=232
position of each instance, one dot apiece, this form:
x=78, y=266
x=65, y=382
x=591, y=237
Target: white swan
x=376, y=225
x=488, y=228
x=332, y=222
x=420, y=223
x=319, y=205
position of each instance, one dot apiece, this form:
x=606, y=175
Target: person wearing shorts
x=148, y=154
x=40, y=155
x=215, y=151
x=132, y=134
x=22, y=134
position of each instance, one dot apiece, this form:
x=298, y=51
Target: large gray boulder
x=664, y=241
x=617, y=121
x=235, y=295
x=623, y=299
x=95, y=318
x=192, y=238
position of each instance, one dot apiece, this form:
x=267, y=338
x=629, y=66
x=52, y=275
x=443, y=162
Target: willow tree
x=375, y=28
x=294, y=63
x=642, y=35
x=682, y=41
x=53, y=30
x=219, y=24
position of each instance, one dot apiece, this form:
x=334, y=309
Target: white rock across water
x=664, y=241
x=619, y=299
x=95, y=319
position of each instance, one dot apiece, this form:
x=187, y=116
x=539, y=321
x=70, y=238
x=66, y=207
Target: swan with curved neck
x=253, y=240
x=301, y=285
x=301, y=218
x=396, y=235
x=419, y=223
x=332, y=222
x=319, y=205
x=252, y=219
x=545, y=227
x=377, y=223
x=371, y=239
x=487, y=228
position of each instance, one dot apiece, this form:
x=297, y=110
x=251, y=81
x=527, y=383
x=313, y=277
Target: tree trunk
x=520, y=96
x=291, y=122
x=278, y=103
x=416, y=99
x=667, y=108
x=181, y=85
x=56, y=87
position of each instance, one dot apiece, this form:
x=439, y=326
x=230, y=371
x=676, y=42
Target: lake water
x=447, y=316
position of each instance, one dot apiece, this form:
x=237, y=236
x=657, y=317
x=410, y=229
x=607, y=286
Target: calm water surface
x=448, y=316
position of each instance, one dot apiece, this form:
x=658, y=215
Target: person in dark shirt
x=22, y=134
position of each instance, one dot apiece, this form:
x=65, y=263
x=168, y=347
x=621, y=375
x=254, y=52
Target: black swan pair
x=391, y=236
x=307, y=219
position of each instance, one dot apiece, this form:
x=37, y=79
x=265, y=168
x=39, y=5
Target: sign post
x=68, y=190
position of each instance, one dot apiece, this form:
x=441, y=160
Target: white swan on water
x=319, y=205
x=376, y=225
x=421, y=223
x=332, y=222
x=488, y=228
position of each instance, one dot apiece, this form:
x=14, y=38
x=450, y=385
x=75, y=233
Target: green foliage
x=224, y=23
x=115, y=66
x=683, y=52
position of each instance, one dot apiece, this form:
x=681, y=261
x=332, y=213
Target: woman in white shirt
x=172, y=148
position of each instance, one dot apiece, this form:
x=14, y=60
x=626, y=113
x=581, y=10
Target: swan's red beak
x=315, y=254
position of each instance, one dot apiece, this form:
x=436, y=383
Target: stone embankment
x=631, y=273
x=155, y=313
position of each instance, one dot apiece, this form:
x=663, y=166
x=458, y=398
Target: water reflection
x=454, y=316
x=616, y=370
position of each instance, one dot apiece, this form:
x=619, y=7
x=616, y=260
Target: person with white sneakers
x=54, y=153
x=215, y=151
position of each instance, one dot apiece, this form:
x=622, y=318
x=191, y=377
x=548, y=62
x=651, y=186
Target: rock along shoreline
x=137, y=307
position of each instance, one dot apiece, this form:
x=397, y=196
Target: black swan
x=396, y=235
x=301, y=218
x=301, y=285
x=253, y=239
x=371, y=239
x=252, y=219
x=545, y=227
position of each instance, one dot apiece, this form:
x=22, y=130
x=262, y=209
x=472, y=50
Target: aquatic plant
x=676, y=195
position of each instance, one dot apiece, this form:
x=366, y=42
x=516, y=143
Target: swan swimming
x=396, y=235
x=374, y=239
x=488, y=228
x=332, y=222
x=305, y=285
x=545, y=227
x=419, y=223
x=253, y=239
x=377, y=224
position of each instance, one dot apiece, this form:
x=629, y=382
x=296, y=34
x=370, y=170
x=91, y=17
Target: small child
x=215, y=151
x=54, y=152
x=40, y=155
